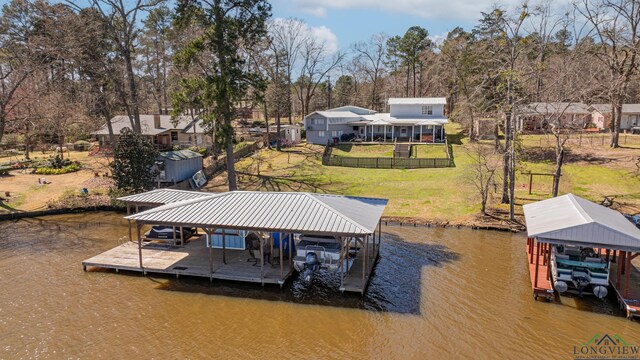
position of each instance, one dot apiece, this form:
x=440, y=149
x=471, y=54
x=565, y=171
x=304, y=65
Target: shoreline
x=495, y=225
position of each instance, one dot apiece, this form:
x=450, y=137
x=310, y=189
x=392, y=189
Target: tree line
x=65, y=68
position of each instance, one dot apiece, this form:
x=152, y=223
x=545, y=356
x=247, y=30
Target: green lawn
x=430, y=151
x=445, y=194
x=358, y=150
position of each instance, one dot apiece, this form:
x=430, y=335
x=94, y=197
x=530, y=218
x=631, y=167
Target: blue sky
x=357, y=20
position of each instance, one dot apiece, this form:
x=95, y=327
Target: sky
x=349, y=21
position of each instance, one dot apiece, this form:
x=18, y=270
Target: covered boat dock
x=570, y=220
x=354, y=222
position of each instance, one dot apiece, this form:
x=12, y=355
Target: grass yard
x=437, y=151
x=26, y=194
x=363, y=151
x=445, y=194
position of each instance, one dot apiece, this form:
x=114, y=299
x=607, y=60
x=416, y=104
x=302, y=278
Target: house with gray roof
x=537, y=116
x=601, y=116
x=409, y=120
x=183, y=131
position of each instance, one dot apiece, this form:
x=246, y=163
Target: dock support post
x=129, y=221
x=210, y=243
x=262, y=260
x=531, y=252
x=342, y=262
x=364, y=258
x=224, y=248
x=175, y=238
x=181, y=236
x=535, y=283
x=138, y=226
x=548, y=261
x=281, y=251
x=608, y=252
x=618, y=271
x=290, y=250
x=628, y=270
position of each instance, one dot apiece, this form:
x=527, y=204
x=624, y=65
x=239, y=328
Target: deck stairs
x=402, y=150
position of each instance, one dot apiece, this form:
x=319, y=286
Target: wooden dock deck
x=191, y=259
x=542, y=287
x=630, y=303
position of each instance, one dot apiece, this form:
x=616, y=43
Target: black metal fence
x=385, y=163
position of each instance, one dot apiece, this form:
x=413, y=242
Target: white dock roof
x=570, y=219
x=163, y=196
x=273, y=211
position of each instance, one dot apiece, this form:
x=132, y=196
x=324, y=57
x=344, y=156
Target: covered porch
x=382, y=131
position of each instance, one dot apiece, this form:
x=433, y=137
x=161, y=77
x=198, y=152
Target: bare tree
x=370, y=55
x=616, y=27
x=316, y=65
x=288, y=37
x=485, y=163
x=124, y=29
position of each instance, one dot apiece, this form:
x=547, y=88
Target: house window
x=321, y=133
x=427, y=110
x=174, y=136
x=317, y=121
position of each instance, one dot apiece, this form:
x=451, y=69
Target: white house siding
x=415, y=111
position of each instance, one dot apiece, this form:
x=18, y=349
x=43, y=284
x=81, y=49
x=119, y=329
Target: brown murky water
x=435, y=293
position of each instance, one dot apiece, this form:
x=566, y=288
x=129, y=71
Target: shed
x=179, y=165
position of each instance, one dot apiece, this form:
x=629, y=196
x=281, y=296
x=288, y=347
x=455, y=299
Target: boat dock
x=627, y=287
x=538, y=261
x=243, y=235
x=192, y=259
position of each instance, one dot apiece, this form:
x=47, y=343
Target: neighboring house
x=161, y=131
x=537, y=116
x=409, y=120
x=601, y=116
x=179, y=165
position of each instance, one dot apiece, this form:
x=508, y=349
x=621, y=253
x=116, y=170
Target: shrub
x=58, y=171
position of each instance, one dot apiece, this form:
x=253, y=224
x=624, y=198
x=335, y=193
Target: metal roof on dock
x=571, y=219
x=273, y=211
x=163, y=196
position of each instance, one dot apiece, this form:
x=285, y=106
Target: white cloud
x=322, y=34
x=429, y=9
x=325, y=35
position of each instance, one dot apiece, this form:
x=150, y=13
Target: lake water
x=434, y=293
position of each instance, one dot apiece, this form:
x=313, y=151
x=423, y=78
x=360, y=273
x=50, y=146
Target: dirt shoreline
x=386, y=220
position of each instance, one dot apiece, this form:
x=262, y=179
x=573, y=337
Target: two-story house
x=408, y=120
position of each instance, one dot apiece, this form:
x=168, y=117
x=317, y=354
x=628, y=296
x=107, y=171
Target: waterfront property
x=538, y=116
x=409, y=120
x=578, y=246
x=250, y=236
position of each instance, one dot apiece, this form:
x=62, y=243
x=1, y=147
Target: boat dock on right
x=579, y=247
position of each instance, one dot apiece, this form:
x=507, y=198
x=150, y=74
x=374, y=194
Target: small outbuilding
x=179, y=165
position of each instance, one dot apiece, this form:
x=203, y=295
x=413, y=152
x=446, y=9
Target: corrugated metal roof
x=572, y=219
x=180, y=154
x=417, y=101
x=164, y=196
x=273, y=211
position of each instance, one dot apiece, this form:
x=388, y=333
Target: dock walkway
x=630, y=303
x=191, y=259
x=541, y=287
